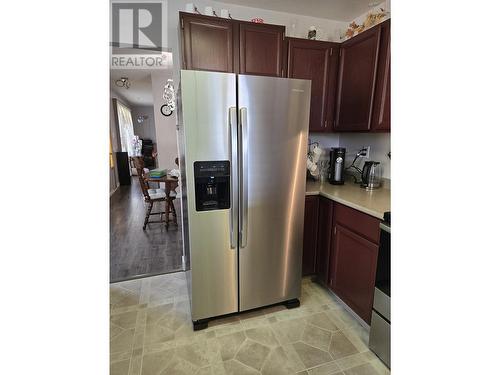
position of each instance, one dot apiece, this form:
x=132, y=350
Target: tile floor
x=151, y=334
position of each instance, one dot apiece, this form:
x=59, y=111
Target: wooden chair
x=151, y=197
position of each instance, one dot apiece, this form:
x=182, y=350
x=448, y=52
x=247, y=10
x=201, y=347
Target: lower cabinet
x=341, y=248
x=310, y=235
x=325, y=223
x=353, y=265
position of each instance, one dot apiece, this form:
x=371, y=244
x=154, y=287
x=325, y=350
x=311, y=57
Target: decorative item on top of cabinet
x=356, y=81
x=261, y=49
x=310, y=235
x=381, y=119
x=207, y=43
x=317, y=61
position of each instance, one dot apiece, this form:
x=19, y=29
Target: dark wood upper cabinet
x=353, y=267
x=325, y=224
x=381, y=118
x=260, y=49
x=356, y=81
x=310, y=235
x=207, y=43
x=317, y=61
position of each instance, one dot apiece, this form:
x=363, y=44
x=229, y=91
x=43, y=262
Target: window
x=126, y=127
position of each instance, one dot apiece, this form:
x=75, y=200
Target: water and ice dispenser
x=212, y=185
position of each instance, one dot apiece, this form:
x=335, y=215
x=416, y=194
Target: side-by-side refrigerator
x=243, y=146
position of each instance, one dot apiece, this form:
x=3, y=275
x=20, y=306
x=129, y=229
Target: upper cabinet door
x=207, y=43
x=261, y=49
x=381, y=119
x=357, y=72
x=317, y=61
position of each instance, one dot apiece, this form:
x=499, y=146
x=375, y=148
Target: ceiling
x=340, y=10
x=140, y=91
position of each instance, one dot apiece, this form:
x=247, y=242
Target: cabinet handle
x=331, y=51
x=335, y=230
x=326, y=123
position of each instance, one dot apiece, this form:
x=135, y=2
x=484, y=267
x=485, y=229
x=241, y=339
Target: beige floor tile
x=229, y=328
x=294, y=360
x=340, y=346
x=342, y=318
x=277, y=363
x=201, y=354
x=263, y=335
x=121, y=297
x=321, y=320
x=233, y=367
x=155, y=363
x=114, y=330
x=252, y=354
x=120, y=356
x=317, y=337
x=358, y=336
x=157, y=313
x=122, y=342
x=156, y=334
x=326, y=369
x=125, y=320
x=230, y=344
x=356, y=360
x=119, y=368
x=311, y=356
x=366, y=369
x=289, y=331
x=135, y=365
x=151, y=333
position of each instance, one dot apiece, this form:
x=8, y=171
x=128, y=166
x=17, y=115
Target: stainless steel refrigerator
x=243, y=146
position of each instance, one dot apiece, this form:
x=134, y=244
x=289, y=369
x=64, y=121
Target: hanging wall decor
x=169, y=96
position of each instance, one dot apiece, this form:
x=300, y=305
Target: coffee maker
x=337, y=164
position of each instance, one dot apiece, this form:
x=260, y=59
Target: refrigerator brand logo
x=137, y=35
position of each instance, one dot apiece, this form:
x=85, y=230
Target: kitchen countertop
x=373, y=203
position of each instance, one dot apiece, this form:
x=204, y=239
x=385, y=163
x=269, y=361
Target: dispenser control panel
x=212, y=185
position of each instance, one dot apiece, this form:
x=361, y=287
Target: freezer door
x=209, y=125
x=274, y=121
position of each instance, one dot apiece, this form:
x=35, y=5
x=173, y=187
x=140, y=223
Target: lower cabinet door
x=310, y=235
x=353, y=265
x=325, y=224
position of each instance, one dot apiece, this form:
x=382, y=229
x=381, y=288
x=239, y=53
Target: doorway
x=139, y=130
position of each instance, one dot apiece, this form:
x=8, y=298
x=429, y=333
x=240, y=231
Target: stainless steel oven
x=380, y=330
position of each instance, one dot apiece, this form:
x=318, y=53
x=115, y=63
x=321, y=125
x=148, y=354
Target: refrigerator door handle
x=233, y=152
x=244, y=177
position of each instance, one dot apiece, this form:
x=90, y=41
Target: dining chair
x=152, y=197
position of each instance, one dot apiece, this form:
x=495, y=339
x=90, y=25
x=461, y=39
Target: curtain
x=126, y=128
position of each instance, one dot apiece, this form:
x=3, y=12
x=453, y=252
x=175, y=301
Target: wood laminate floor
x=134, y=252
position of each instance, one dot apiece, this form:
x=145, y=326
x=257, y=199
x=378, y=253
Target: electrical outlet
x=366, y=154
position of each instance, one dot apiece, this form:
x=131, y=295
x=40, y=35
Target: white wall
x=380, y=145
x=166, y=127
x=146, y=130
x=327, y=29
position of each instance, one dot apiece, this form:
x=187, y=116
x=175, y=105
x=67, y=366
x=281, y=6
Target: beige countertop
x=373, y=203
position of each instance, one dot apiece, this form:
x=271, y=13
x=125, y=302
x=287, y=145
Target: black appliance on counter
x=337, y=163
x=380, y=329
